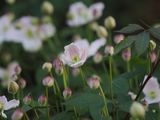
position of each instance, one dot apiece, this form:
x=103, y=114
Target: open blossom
x=80, y=14
x=6, y=105
x=152, y=91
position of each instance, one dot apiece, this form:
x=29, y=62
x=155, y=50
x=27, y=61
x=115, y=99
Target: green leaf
x=131, y=28
x=64, y=116
x=142, y=42
x=155, y=32
x=124, y=44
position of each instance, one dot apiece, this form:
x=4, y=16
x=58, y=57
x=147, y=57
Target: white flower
x=6, y=105
x=75, y=55
x=152, y=91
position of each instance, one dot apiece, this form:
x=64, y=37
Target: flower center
x=75, y=59
x=30, y=34
x=152, y=94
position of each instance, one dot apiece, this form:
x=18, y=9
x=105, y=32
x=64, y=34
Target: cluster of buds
x=27, y=99
x=109, y=50
x=47, y=7
x=67, y=92
x=13, y=87
x=58, y=65
x=42, y=100
x=94, y=82
x=47, y=66
x=17, y=114
x=48, y=81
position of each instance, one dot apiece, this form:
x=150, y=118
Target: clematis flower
x=6, y=105
x=152, y=91
x=75, y=55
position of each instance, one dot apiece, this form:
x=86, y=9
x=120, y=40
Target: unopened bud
x=152, y=45
x=13, y=87
x=97, y=58
x=27, y=99
x=94, y=26
x=118, y=38
x=17, y=114
x=126, y=54
x=67, y=93
x=110, y=22
x=58, y=65
x=94, y=82
x=153, y=56
x=101, y=32
x=48, y=81
x=10, y=2
x=22, y=83
x=47, y=66
x=42, y=100
x=47, y=7
x=109, y=50
x=137, y=110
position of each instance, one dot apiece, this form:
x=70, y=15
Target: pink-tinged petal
x=71, y=50
x=84, y=54
x=95, y=45
x=11, y=104
x=151, y=84
x=82, y=44
x=3, y=100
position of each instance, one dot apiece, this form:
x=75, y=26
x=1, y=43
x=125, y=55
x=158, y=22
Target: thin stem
x=128, y=70
x=110, y=76
x=26, y=116
x=64, y=78
x=82, y=76
x=35, y=111
x=105, y=103
x=47, y=103
x=75, y=112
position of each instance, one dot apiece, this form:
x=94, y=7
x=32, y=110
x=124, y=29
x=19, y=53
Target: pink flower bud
x=67, y=93
x=126, y=54
x=75, y=71
x=109, y=50
x=42, y=100
x=118, y=38
x=17, y=114
x=94, y=82
x=48, y=81
x=153, y=57
x=27, y=100
x=22, y=83
x=97, y=58
x=58, y=65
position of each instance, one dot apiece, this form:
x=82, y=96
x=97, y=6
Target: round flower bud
x=11, y=2
x=97, y=58
x=153, y=56
x=42, y=100
x=94, y=82
x=101, y=31
x=152, y=45
x=118, y=38
x=48, y=81
x=109, y=50
x=137, y=110
x=22, y=83
x=67, y=93
x=47, y=66
x=27, y=99
x=17, y=114
x=58, y=65
x=126, y=54
x=75, y=71
x=13, y=87
x=110, y=22
x=94, y=26
x=47, y=7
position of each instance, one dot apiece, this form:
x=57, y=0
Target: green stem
x=128, y=70
x=110, y=76
x=35, y=111
x=64, y=78
x=75, y=112
x=105, y=103
x=82, y=77
x=47, y=103
x=26, y=116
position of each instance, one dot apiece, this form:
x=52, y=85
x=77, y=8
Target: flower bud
x=126, y=54
x=110, y=22
x=137, y=110
x=13, y=87
x=10, y=2
x=109, y=50
x=94, y=82
x=18, y=69
x=27, y=99
x=153, y=57
x=132, y=95
x=47, y=7
x=22, y=83
x=75, y=71
x=67, y=93
x=97, y=58
x=101, y=31
x=17, y=114
x=94, y=26
x=58, y=65
x=118, y=38
x=47, y=66
x=42, y=100
x=152, y=45
x=48, y=81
